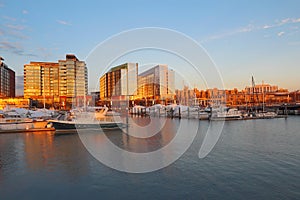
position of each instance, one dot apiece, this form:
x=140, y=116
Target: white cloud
x=25, y=12
x=15, y=27
x=248, y=28
x=251, y=27
x=284, y=21
x=9, y=18
x=297, y=20
x=267, y=26
x=15, y=48
x=280, y=34
x=63, y=22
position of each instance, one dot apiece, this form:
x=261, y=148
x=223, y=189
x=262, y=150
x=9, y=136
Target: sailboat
x=263, y=114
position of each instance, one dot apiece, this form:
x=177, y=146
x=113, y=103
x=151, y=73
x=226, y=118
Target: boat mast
x=44, y=90
x=263, y=93
x=252, y=94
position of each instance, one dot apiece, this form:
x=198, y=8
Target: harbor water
x=253, y=159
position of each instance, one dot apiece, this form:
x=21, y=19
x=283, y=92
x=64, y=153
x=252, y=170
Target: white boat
x=138, y=110
x=89, y=120
x=266, y=115
x=21, y=124
x=227, y=114
x=156, y=110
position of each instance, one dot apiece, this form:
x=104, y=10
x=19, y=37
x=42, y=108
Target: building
x=73, y=81
x=14, y=102
x=295, y=96
x=95, y=98
x=61, y=84
x=119, y=84
x=263, y=88
x=41, y=82
x=7, y=80
x=186, y=96
x=157, y=85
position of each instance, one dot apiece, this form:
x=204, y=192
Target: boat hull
x=65, y=125
x=22, y=125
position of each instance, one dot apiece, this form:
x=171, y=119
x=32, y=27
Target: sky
x=243, y=38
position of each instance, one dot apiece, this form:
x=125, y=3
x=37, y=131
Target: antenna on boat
x=263, y=93
x=44, y=91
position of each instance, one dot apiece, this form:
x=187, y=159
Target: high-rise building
x=157, y=83
x=60, y=84
x=7, y=80
x=41, y=82
x=73, y=85
x=119, y=83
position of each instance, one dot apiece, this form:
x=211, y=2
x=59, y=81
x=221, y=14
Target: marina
x=208, y=113
x=15, y=121
x=251, y=158
x=149, y=100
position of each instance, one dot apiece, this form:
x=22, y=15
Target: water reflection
x=130, y=143
x=122, y=151
x=253, y=159
x=43, y=153
x=38, y=149
x=11, y=154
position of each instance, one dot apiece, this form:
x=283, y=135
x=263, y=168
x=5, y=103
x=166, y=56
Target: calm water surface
x=254, y=159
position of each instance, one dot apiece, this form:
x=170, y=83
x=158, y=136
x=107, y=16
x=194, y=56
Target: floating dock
x=27, y=130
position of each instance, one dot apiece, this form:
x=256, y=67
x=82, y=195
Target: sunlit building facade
x=263, y=88
x=73, y=85
x=186, y=96
x=267, y=95
x=7, y=80
x=41, y=81
x=59, y=84
x=119, y=83
x=14, y=102
x=157, y=84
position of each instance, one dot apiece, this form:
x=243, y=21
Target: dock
x=27, y=130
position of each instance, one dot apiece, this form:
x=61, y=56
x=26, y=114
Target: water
x=254, y=159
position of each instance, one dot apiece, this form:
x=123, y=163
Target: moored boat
x=88, y=120
x=11, y=124
x=230, y=114
x=62, y=124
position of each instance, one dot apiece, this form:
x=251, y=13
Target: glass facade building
x=60, y=85
x=73, y=86
x=157, y=83
x=7, y=80
x=41, y=81
x=119, y=82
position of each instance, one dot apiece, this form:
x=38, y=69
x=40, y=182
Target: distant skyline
x=244, y=38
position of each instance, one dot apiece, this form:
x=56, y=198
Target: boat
x=266, y=115
x=12, y=124
x=138, y=110
x=88, y=120
x=227, y=114
x=63, y=124
x=17, y=120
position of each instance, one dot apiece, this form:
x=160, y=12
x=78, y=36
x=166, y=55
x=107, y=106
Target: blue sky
x=244, y=38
